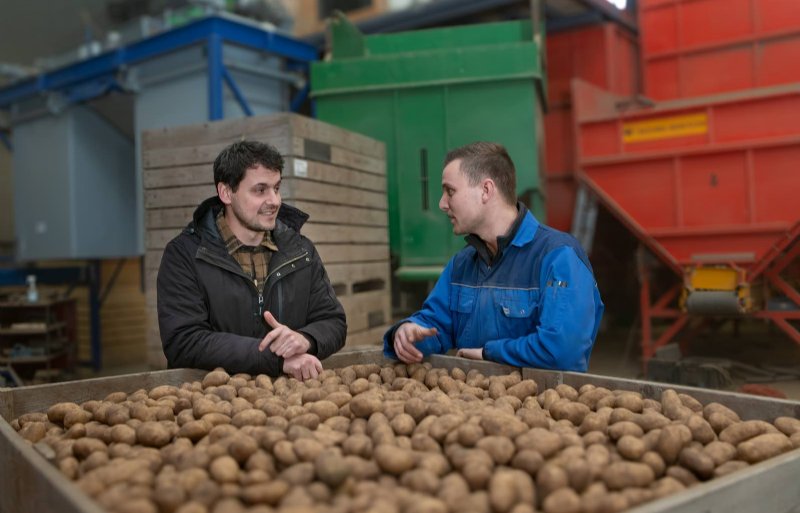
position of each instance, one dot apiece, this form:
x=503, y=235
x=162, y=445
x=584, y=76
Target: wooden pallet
x=336, y=176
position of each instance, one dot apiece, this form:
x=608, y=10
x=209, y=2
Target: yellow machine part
x=715, y=291
x=713, y=278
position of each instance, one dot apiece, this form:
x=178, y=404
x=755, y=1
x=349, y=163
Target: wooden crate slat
x=342, y=214
x=348, y=273
x=329, y=173
x=370, y=337
x=366, y=310
x=293, y=189
x=322, y=233
x=177, y=217
x=178, y=176
x=178, y=196
x=340, y=253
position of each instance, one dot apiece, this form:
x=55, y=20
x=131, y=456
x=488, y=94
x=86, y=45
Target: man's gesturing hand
x=406, y=336
x=283, y=341
x=302, y=367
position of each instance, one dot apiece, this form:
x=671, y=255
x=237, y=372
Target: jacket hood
x=291, y=216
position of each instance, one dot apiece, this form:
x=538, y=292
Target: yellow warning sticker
x=665, y=128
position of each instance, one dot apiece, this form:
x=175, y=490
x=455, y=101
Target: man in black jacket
x=240, y=288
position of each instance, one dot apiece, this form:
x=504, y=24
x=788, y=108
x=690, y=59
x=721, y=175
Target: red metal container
x=605, y=55
x=705, y=47
x=700, y=181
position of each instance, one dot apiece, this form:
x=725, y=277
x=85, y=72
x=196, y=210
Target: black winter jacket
x=210, y=313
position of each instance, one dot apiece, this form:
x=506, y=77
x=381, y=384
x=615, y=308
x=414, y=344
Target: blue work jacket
x=537, y=306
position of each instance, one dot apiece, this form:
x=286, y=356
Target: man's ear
x=488, y=189
x=224, y=192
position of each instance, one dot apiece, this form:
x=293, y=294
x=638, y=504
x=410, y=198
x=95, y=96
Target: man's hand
x=472, y=353
x=283, y=341
x=302, y=367
x=406, y=336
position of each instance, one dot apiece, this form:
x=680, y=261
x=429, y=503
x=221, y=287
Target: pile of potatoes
x=394, y=439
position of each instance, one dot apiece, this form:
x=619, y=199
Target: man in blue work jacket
x=520, y=293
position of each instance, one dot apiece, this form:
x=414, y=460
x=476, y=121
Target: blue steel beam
x=237, y=93
x=198, y=32
x=214, y=56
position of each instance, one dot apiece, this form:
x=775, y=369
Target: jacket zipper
x=288, y=262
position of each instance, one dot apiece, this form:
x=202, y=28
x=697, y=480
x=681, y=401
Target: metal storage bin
x=36, y=485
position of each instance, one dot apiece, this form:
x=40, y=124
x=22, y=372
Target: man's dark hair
x=481, y=160
x=233, y=162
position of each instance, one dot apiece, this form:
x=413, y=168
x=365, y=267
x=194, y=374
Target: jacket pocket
x=517, y=304
x=462, y=299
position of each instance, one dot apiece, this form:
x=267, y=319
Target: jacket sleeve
x=186, y=333
x=570, y=313
x=435, y=313
x=327, y=324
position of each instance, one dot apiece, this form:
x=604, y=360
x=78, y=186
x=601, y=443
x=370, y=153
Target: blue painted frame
x=92, y=77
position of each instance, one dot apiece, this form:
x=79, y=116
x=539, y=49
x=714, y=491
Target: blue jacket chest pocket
x=462, y=299
x=517, y=312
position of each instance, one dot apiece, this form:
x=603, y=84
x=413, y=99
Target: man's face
x=460, y=200
x=256, y=201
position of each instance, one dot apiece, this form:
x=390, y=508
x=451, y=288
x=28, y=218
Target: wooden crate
x=36, y=485
x=336, y=176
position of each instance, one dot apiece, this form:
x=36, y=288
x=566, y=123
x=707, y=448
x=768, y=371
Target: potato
x=500, y=448
x=720, y=422
x=683, y=475
x=421, y=480
x=650, y=420
x=495, y=423
x=523, y=389
x=544, y=442
x=215, y=378
x=265, y=493
x=153, y=434
x=701, y=429
x=625, y=474
x=510, y=487
x=564, y=500
x=365, y=405
x=548, y=397
x=670, y=442
x=83, y=447
x=711, y=408
x=435, y=462
x=579, y=472
x=630, y=401
x=698, y=462
x=591, y=396
x=654, y=460
x=666, y=486
x=393, y=460
x=729, y=467
x=762, y=447
x=631, y=447
x=403, y=424
x=565, y=409
x=592, y=422
x=477, y=475
x=550, y=478
x=249, y=417
x=33, y=431
x=741, y=431
x=788, y=425
x=122, y=433
x=720, y=452
x=626, y=427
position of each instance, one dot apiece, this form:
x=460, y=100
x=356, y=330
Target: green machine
x=423, y=93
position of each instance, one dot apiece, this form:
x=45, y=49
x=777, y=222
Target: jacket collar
x=290, y=219
x=527, y=230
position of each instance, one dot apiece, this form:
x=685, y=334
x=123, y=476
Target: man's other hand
x=282, y=340
x=472, y=353
x=406, y=336
x=302, y=367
